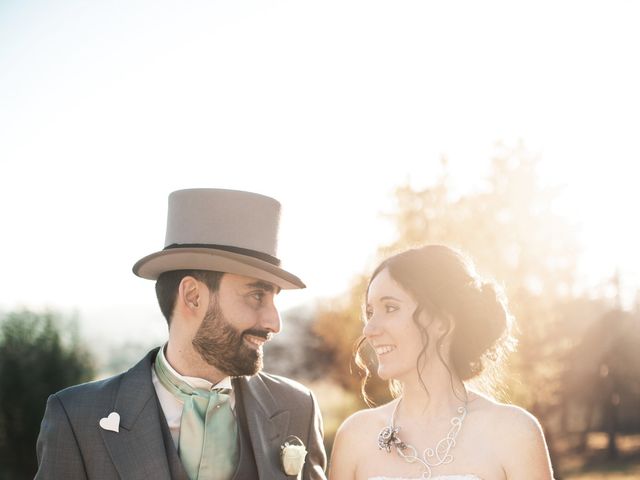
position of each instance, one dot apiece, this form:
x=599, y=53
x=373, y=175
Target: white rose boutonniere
x=292, y=454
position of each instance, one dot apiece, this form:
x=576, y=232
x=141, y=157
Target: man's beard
x=222, y=346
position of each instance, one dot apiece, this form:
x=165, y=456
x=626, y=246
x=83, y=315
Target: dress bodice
x=437, y=477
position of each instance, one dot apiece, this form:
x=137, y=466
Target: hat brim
x=151, y=266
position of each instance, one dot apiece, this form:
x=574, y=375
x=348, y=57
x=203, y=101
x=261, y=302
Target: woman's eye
x=390, y=308
x=368, y=313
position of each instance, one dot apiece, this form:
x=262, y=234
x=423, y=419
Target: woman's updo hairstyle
x=445, y=285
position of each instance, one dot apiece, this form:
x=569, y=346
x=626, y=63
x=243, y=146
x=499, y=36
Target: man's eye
x=258, y=296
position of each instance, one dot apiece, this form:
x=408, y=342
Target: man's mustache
x=266, y=334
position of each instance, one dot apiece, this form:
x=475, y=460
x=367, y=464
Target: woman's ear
x=446, y=325
x=441, y=326
x=440, y=329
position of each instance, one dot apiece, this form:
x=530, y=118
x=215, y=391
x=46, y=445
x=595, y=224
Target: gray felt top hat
x=220, y=230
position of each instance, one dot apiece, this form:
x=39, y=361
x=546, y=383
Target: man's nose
x=271, y=318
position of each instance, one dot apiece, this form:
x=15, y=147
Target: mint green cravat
x=208, y=444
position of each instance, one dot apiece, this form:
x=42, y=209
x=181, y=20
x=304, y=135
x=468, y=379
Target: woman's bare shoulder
x=504, y=416
x=349, y=448
x=366, y=420
x=515, y=433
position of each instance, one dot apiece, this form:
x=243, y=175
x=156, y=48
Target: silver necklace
x=431, y=457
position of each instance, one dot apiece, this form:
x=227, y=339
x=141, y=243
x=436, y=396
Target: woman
x=432, y=323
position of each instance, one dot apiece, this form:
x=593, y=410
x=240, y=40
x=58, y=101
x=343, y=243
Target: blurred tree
x=579, y=314
x=295, y=352
x=604, y=383
x=512, y=231
x=37, y=358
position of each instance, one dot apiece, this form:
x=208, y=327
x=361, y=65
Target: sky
x=107, y=107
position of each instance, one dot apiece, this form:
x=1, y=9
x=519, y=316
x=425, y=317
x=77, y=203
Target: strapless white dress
x=437, y=477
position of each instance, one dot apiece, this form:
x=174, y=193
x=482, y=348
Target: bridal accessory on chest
x=431, y=457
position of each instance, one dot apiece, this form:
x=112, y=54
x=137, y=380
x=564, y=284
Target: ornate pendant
x=431, y=457
x=388, y=437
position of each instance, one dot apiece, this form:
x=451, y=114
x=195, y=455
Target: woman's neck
x=444, y=395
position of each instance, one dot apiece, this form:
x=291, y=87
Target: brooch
x=388, y=437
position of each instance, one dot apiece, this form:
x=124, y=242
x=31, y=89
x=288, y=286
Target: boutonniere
x=292, y=454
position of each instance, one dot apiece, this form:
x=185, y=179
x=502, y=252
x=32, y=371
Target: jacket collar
x=268, y=425
x=138, y=449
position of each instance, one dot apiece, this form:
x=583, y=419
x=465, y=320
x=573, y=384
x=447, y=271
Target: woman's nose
x=371, y=328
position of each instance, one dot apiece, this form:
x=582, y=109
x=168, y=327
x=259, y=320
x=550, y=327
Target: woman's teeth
x=384, y=349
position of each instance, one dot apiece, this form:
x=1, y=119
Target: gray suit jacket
x=72, y=445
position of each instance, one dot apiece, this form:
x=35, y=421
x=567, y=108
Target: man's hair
x=168, y=283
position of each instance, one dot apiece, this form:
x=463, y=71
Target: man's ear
x=190, y=295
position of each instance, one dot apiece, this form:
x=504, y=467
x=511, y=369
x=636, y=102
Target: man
x=199, y=407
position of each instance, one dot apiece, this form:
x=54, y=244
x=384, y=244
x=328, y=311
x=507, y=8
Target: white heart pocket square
x=112, y=422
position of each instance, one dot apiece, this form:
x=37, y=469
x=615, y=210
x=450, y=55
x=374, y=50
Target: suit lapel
x=138, y=450
x=267, y=424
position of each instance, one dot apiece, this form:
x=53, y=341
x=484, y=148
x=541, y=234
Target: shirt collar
x=196, y=382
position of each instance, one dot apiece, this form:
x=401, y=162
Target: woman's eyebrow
x=389, y=297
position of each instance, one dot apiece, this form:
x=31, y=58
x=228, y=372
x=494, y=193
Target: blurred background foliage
x=577, y=365
x=39, y=355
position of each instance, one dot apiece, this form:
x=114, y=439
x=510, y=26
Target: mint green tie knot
x=208, y=442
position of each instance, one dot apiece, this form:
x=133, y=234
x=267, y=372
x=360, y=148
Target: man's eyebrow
x=266, y=286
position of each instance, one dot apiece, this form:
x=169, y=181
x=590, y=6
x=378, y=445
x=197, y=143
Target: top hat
x=220, y=230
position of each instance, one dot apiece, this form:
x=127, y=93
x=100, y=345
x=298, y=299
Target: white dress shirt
x=172, y=406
